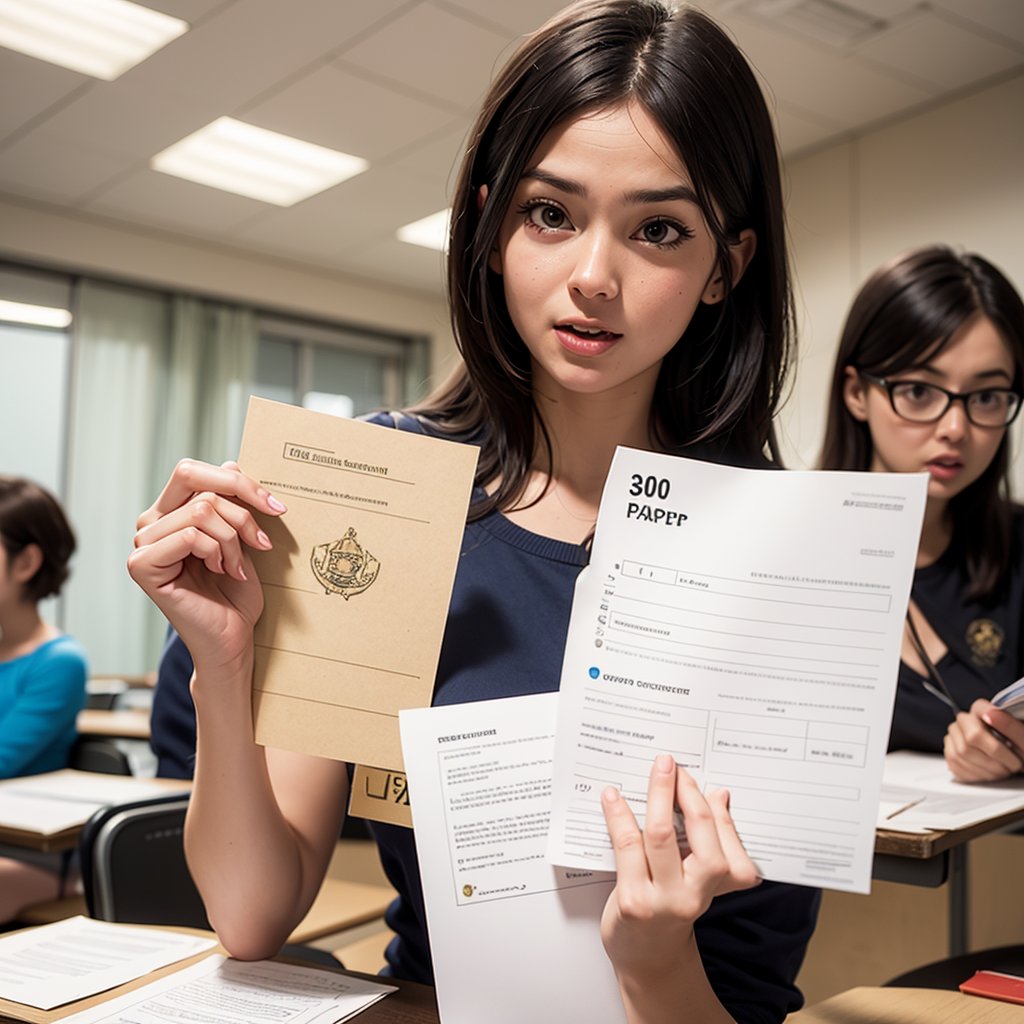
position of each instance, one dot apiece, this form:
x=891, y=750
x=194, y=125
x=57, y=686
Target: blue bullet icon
x=594, y=671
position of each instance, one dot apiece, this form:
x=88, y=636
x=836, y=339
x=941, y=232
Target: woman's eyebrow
x=980, y=375
x=638, y=197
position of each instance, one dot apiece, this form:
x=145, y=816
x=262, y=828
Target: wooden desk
x=122, y=788
x=116, y=725
x=933, y=858
x=907, y=1006
x=411, y=1004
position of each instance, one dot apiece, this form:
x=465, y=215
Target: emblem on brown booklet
x=344, y=566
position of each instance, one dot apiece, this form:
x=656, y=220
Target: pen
x=905, y=807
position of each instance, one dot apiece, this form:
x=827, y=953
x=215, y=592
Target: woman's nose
x=594, y=274
x=953, y=423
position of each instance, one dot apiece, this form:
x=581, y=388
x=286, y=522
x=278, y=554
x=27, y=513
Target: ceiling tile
x=822, y=81
x=434, y=52
x=512, y=19
x=939, y=52
x=38, y=165
x=1004, y=18
x=436, y=160
x=162, y=200
x=30, y=87
x=372, y=205
x=797, y=130
x=333, y=106
x=125, y=122
x=250, y=47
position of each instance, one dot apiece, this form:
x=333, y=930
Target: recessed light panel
x=430, y=232
x=101, y=38
x=254, y=162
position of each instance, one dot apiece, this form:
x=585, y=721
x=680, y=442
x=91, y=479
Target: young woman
x=928, y=378
x=42, y=672
x=618, y=275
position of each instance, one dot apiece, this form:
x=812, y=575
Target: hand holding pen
x=981, y=745
x=984, y=744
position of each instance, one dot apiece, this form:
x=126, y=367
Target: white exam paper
x=221, y=991
x=49, y=803
x=78, y=957
x=935, y=800
x=748, y=622
x=512, y=938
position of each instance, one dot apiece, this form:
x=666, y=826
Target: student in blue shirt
x=42, y=671
x=617, y=276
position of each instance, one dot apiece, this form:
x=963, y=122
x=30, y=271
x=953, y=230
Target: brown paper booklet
x=358, y=583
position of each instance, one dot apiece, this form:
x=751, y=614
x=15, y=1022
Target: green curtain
x=154, y=378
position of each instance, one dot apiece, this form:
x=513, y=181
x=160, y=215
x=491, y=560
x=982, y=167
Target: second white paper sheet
x=748, y=622
x=513, y=938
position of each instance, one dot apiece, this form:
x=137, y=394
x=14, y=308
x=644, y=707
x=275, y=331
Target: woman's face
x=605, y=255
x=952, y=450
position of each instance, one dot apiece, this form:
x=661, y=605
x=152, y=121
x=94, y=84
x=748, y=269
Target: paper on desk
x=49, y=803
x=220, y=991
x=358, y=583
x=934, y=800
x=78, y=957
x=512, y=938
x=749, y=623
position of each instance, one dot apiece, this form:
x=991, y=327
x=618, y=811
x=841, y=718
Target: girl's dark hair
x=721, y=384
x=31, y=515
x=906, y=312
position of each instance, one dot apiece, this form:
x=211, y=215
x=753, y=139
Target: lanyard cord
x=934, y=684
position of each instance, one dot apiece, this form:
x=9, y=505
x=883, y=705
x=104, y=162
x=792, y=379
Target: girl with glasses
x=928, y=378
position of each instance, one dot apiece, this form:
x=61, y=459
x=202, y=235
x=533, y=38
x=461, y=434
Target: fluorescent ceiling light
x=254, y=162
x=102, y=38
x=430, y=232
x=40, y=316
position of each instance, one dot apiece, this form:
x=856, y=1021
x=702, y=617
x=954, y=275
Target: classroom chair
x=94, y=754
x=949, y=973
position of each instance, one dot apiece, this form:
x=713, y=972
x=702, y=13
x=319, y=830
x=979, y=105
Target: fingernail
x=665, y=763
x=241, y=574
x=273, y=503
x=611, y=794
x=263, y=539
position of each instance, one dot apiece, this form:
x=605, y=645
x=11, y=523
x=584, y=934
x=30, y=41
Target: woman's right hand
x=191, y=558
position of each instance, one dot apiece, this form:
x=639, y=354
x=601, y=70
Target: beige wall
x=44, y=235
x=952, y=174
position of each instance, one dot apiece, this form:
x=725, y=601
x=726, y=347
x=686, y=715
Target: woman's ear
x=741, y=252
x=26, y=563
x=854, y=394
x=494, y=260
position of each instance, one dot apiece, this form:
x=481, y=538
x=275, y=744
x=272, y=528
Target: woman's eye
x=920, y=393
x=547, y=217
x=662, y=233
x=987, y=398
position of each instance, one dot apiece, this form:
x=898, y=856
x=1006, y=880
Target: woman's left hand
x=648, y=920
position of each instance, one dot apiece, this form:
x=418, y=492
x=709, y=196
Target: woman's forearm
x=257, y=864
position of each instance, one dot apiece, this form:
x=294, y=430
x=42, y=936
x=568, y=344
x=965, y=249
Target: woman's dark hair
x=906, y=312
x=721, y=384
x=29, y=514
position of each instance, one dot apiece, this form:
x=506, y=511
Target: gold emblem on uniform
x=344, y=566
x=467, y=891
x=985, y=640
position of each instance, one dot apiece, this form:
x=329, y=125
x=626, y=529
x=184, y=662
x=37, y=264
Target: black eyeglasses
x=919, y=402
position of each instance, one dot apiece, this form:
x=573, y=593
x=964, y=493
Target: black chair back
x=133, y=865
x=91, y=754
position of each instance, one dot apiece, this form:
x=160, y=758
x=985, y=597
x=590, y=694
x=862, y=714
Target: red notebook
x=1008, y=987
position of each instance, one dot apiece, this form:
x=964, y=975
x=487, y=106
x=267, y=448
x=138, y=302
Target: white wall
x=953, y=174
x=44, y=235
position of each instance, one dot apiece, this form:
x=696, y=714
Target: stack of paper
x=1011, y=699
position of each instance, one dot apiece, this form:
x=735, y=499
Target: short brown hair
x=29, y=514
